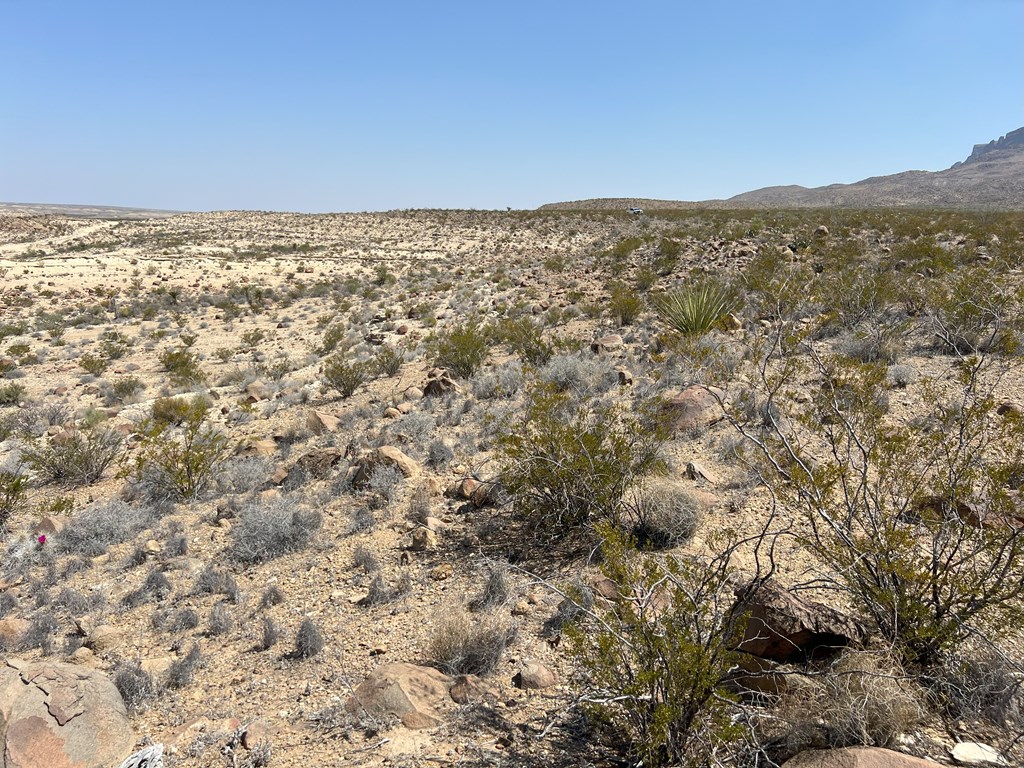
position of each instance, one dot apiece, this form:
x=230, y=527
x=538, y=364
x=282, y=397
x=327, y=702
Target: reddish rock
x=319, y=422
x=856, y=757
x=416, y=695
x=695, y=407
x=535, y=676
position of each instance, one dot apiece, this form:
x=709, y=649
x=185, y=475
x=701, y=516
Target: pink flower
x=41, y=539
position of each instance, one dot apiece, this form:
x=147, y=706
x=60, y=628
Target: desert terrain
x=361, y=391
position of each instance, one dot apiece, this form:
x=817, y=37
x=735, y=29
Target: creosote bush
x=568, y=465
x=462, y=349
x=13, y=495
x=345, y=376
x=75, y=458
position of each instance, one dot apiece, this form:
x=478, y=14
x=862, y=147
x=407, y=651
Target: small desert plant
x=460, y=647
x=126, y=388
x=266, y=531
x=462, y=349
x=75, y=458
x=439, y=455
x=625, y=304
x=183, y=367
x=345, y=376
x=13, y=494
x=180, y=466
x=94, y=364
x=308, y=640
x=496, y=591
x=221, y=621
x=365, y=559
x=526, y=339
x=271, y=596
x=269, y=635
x=182, y=671
x=94, y=529
x=388, y=361
x=661, y=515
x=694, y=309
x=11, y=394
x=135, y=685
x=174, y=411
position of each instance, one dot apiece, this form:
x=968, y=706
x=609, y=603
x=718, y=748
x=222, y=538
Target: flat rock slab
x=856, y=757
x=416, y=695
x=61, y=716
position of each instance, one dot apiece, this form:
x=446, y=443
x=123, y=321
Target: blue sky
x=348, y=106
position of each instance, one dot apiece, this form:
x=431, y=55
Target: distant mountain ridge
x=991, y=178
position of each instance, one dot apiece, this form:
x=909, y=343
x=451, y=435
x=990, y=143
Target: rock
x=422, y=540
x=1010, y=408
x=319, y=422
x=609, y=343
x=157, y=667
x=257, y=732
x=625, y=377
x=257, y=391
x=61, y=716
x=469, y=689
x=464, y=488
x=405, y=408
x=442, y=572
x=387, y=456
x=12, y=629
x=534, y=676
x=402, y=329
x=104, y=638
x=821, y=231
x=392, y=413
x=413, y=394
x=416, y=695
x=975, y=753
x=782, y=627
x=279, y=475
x=152, y=547
x=49, y=526
x=264, y=447
x=434, y=523
x=439, y=383
x=697, y=471
x=318, y=463
x=731, y=322
x=856, y=757
x=695, y=407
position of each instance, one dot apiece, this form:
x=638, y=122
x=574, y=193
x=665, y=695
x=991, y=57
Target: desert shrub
x=979, y=680
x=220, y=621
x=460, y=647
x=496, y=590
x=271, y=596
x=214, y=581
x=625, y=303
x=345, y=376
x=461, y=349
x=268, y=530
x=8, y=603
x=383, y=482
x=388, y=361
x=182, y=671
x=126, y=388
x=864, y=698
x=439, y=455
x=155, y=587
x=178, y=465
x=94, y=364
x=568, y=465
x=902, y=376
x=308, y=640
x=875, y=344
x=503, y=381
x=662, y=515
x=135, y=685
x=579, y=375
x=40, y=633
x=526, y=339
x=695, y=308
x=974, y=311
x=181, y=620
x=182, y=365
x=655, y=661
x=243, y=474
x=94, y=529
x=333, y=336
x=175, y=411
x=76, y=458
x=416, y=427
x=11, y=393
x=361, y=520
x=911, y=523
x=269, y=635
x=363, y=558
x=13, y=495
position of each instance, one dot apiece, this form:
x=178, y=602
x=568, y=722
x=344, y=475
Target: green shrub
x=174, y=411
x=11, y=394
x=183, y=367
x=655, y=661
x=568, y=465
x=13, y=493
x=462, y=349
x=694, y=309
x=333, y=336
x=345, y=376
x=178, y=464
x=75, y=458
x=526, y=339
x=94, y=364
x=625, y=303
x=388, y=361
x=127, y=387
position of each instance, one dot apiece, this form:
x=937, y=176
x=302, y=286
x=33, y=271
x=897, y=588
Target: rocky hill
x=991, y=178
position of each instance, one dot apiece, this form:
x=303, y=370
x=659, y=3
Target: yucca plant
x=695, y=308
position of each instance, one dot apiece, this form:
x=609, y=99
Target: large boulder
x=61, y=716
x=416, y=695
x=695, y=407
x=385, y=456
x=856, y=757
x=783, y=627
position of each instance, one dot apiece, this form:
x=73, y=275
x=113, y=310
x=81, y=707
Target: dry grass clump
x=461, y=647
x=266, y=531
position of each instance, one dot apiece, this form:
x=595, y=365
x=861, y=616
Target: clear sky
x=346, y=106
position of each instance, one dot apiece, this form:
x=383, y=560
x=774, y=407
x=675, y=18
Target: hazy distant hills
x=82, y=211
x=992, y=178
